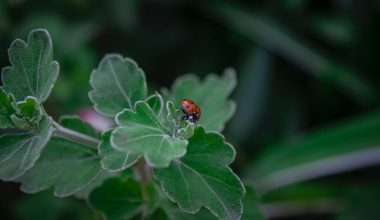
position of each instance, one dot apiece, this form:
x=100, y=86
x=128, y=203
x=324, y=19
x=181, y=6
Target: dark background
x=302, y=66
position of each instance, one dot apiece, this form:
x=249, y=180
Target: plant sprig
x=189, y=162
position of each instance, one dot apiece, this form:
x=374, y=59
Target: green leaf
x=160, y=207
x=117, y=84
x=340, y=148
x=46, y=206
x=28, y=114
x=33, y=71
x=77, y=124
x=6, y=110
x=202, y=177
x=66, y=166
x=117, y=198
x=210, y=95
x=141, y=133
x=156, y=103
x=174, y=113
x=113, y=160
x=187, y=131
x=85, y=192
x=174, y=213
x=20, y=150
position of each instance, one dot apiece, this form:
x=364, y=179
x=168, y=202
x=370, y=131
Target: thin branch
x=75, y=136
x=143, y=173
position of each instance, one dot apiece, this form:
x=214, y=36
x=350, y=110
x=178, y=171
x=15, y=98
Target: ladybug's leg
x=185, y=115
x=194, y=117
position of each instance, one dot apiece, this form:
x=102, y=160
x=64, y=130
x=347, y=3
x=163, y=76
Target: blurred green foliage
x=301, y=65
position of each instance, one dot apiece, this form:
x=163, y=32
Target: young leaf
x=202, y=177
x=6, y=110
x=187, y=131
x=113, y=160
x=210, y=95
x=156, y=103
x=173, y=113
x=33, y=71
x=28, y=114
x=19, y=151
x=141, y=133
x=117, y=198
x=117, y=84
x=64, y=165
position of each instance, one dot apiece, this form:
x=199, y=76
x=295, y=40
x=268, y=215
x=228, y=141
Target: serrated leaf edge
x=227, y=167
x=26, y=45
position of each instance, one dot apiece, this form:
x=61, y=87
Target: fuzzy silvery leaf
x=65, y=166
x=202, y=177
x=20, y=150
x=114, y=160
x=33, y=71
x=210, y=94
x=156, y=103
x=142, y=133
x=28, y=114
x=117, y=84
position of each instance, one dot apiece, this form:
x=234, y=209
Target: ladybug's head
x=187, y=104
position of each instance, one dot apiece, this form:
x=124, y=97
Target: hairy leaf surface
x=202, y=177
x=33, y=71
x=141, y=133
x=20, y=150
x=117, y=84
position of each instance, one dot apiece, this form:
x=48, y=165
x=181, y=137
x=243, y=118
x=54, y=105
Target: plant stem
x=75, y=136
x=144, y=173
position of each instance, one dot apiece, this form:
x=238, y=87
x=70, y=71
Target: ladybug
x=191, y=111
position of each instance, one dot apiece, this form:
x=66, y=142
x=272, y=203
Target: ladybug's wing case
x=199, y=112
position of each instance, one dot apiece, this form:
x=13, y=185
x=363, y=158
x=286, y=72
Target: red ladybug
x=191, y=111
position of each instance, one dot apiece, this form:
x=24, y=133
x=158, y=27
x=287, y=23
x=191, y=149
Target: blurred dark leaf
x=340, y=148
x=45, y=206
x=252, y=94
x=271, y=37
